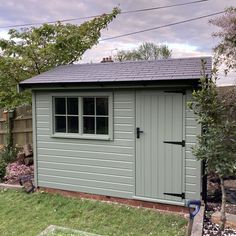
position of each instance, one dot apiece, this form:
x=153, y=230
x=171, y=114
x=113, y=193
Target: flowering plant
x=14, y=171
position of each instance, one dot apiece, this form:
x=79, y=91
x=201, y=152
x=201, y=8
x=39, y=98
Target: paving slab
x=230, y=219
x=52, y=231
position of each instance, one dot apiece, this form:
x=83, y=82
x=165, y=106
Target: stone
x=28, y=186
x=27, y=150
x=10, y=186
x=28, y=161
x=230, y=184
x=230, y=219
x=20, y=158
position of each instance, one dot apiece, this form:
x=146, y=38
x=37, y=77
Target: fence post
x=10, y=116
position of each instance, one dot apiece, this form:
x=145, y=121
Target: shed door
x=159, y=165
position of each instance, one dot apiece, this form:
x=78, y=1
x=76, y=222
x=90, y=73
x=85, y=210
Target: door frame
x=161, y=91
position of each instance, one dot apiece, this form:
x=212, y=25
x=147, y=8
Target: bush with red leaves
x=14, y=171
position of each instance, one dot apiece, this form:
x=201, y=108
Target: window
x=95, y=115
x=85, y=116
x=66, y=115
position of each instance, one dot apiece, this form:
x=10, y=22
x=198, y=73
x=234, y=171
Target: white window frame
x=81, y=135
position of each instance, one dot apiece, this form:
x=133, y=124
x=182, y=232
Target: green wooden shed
x=120, y=129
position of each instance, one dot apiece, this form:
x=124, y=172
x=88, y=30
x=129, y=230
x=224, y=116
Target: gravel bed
x=209, y=228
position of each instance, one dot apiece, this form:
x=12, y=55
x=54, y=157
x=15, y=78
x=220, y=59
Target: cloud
x=4, y=34
x=190, y=39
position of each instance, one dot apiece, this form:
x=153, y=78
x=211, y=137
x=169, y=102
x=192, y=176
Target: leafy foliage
x=217, y=143
x=2, y=168
x=8, y=154
x=32, y=51
x=11, y=73
x=146, y=51
x=225, y=51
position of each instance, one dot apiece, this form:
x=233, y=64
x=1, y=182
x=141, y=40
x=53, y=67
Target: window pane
x=89, y=125
x=60, y=106
x=88, y=104
x=102, y=106
x=60, y=124
x=73, y=124
x=102, y=125
x=72, y=106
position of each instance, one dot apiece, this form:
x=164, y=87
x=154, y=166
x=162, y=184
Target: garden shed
x=119, y=129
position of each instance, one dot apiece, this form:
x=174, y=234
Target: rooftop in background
x=158, y=70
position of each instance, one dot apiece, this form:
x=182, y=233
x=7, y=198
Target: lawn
x=29, y=214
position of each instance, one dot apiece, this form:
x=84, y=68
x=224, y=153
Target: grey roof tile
x=166, y=69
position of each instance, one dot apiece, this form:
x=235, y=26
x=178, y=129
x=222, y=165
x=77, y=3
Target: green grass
x=61, y=233
x=29, y=214
x=67, y=232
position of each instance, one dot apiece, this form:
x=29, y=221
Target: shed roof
x=158, y=70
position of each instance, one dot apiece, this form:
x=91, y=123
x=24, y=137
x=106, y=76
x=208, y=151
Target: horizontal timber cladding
x=192, y=166
x=103, y=167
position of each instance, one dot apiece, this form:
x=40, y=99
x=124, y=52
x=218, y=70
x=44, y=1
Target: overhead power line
x=162, y=26
x=93, y=16
x=163, y=7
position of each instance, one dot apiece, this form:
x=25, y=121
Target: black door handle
x=138, y=132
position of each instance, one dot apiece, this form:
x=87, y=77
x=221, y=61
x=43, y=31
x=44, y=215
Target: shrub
x=15, y=170
x=3, y=166
x=8, y=154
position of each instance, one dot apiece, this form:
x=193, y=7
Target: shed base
x=131, y=202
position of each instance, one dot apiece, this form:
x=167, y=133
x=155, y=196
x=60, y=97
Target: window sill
x=83, y=136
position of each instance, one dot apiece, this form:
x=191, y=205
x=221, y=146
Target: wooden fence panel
x=21, y=126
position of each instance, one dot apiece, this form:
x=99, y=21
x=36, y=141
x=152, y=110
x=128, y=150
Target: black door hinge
x=182, y=143
x=182, y=195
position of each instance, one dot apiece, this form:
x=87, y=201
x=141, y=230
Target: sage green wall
x=96, y=166
x=192, y=166
x=93, y=166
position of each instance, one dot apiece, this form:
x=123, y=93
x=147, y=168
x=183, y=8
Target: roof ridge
x=138, y=61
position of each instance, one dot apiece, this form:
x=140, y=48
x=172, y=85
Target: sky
x=185, y=40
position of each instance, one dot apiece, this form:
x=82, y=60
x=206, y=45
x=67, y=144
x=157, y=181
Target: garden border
x=10, y=186
x=198, y=221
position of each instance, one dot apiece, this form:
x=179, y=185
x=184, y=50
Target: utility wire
x=163, y=26
x=93, y=16
x=167, y=6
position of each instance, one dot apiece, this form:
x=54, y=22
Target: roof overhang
x=193, y=83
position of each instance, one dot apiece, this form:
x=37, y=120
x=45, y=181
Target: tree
x=217, y=143
x=146, y=51
x=225, y=51
x=32, y=51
